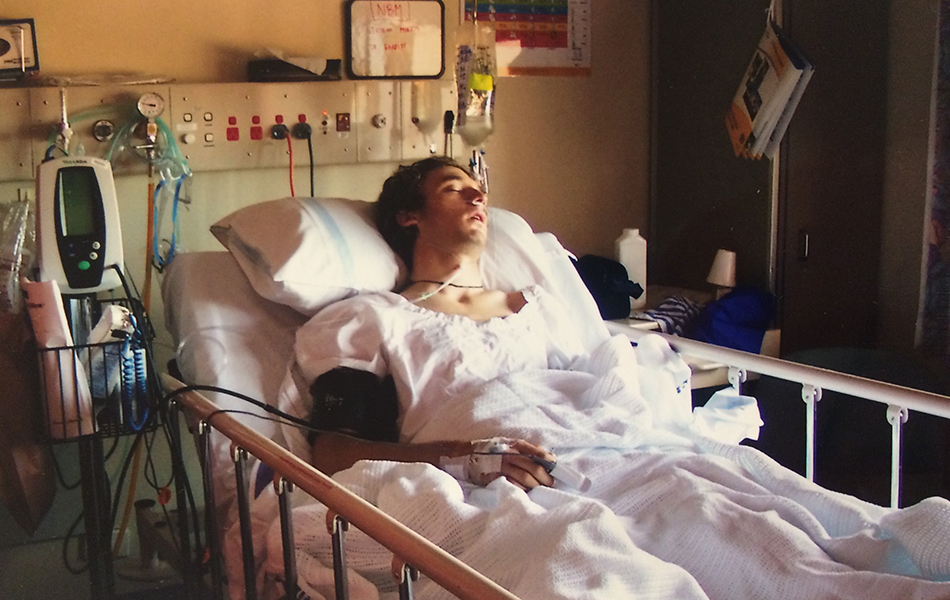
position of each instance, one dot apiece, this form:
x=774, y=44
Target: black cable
x=174, y=441
x=303, y=131
x=59, y=475
x=171, y=530
x=152, y=479
x=281, y=417
x=266, y=407
x=69, y=535
x=59, y=471
x=115, y=444
x=310, y=151
x=118, y=489
x=279, y=420
x=148, y=460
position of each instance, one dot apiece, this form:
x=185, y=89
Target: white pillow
x=307, y=253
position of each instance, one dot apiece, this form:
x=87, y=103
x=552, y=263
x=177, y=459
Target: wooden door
x=703, y=196
x=831, y=177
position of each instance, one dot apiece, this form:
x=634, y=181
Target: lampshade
x=723, y=271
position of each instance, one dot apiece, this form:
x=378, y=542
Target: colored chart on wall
x=537, y=37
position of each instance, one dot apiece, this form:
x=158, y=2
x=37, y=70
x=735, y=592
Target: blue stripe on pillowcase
x=334, y=231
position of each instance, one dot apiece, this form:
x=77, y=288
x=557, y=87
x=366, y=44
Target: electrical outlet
x=25, y=194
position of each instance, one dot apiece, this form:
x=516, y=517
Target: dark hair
x=402, y=192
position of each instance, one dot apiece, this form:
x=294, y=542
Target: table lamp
x=722, y=274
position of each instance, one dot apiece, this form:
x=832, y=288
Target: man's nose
x=476, y=196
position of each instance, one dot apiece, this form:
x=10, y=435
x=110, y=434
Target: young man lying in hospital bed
x=484, y=384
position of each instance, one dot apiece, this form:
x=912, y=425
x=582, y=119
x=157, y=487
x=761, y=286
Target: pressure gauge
x=151, y=105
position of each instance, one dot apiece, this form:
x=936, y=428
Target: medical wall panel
x=15, y=159
x=103, y=120
x=423, y=104
x=378, y=129
x=230, y=126
x=226, y=126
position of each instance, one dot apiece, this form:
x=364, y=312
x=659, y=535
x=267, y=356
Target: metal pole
x=97, y=511
x=284, y=488
x=217, y=576
x=239, y=455
x=405, y=574
x=181, y=498
x=811, y=395
x=896, y=416
x=338, y=526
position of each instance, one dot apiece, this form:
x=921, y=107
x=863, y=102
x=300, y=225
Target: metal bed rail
x=898, y=399
x=412, y=553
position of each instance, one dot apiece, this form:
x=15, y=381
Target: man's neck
x=459, y=268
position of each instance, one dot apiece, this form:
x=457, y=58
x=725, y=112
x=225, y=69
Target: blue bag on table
x=738, y=320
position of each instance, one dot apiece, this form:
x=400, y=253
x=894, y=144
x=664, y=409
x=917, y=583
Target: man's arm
x=333, y=452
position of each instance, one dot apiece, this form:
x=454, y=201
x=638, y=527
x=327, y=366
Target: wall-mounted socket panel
x=15, y=157
x=226, y=126
x=89, y=110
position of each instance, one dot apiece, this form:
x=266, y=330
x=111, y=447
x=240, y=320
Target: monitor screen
x=78, y=196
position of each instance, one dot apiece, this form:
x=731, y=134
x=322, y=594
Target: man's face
x=455, y=209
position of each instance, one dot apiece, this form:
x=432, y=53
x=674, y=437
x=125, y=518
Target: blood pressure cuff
x=357, y=403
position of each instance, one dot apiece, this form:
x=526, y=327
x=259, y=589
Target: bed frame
x=413, y=554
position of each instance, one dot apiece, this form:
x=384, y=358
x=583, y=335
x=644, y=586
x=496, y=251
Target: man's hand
x=502, y=457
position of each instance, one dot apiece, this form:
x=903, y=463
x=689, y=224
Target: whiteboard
x=397, y=38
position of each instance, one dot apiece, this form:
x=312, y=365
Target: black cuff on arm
x=356, y=403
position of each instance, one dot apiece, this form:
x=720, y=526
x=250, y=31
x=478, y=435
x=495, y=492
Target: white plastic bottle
x=632, y=254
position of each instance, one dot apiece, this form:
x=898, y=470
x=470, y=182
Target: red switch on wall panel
x=233, y=134
x=257, y=132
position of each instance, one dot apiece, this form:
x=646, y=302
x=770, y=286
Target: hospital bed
x=234, y=314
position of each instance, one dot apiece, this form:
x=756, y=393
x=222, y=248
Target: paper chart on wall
x=396, y=38
x=538, y=37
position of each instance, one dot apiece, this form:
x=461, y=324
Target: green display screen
x=78, y=195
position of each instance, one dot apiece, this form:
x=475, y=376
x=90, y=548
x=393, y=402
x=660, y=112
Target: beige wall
x=570, y=154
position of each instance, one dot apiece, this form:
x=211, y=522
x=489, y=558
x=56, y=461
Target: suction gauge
x=151, y=105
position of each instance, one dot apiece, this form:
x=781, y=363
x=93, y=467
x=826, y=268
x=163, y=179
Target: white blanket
x=670, y=514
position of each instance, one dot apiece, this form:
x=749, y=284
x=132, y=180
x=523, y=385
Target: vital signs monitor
x=78, y=235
